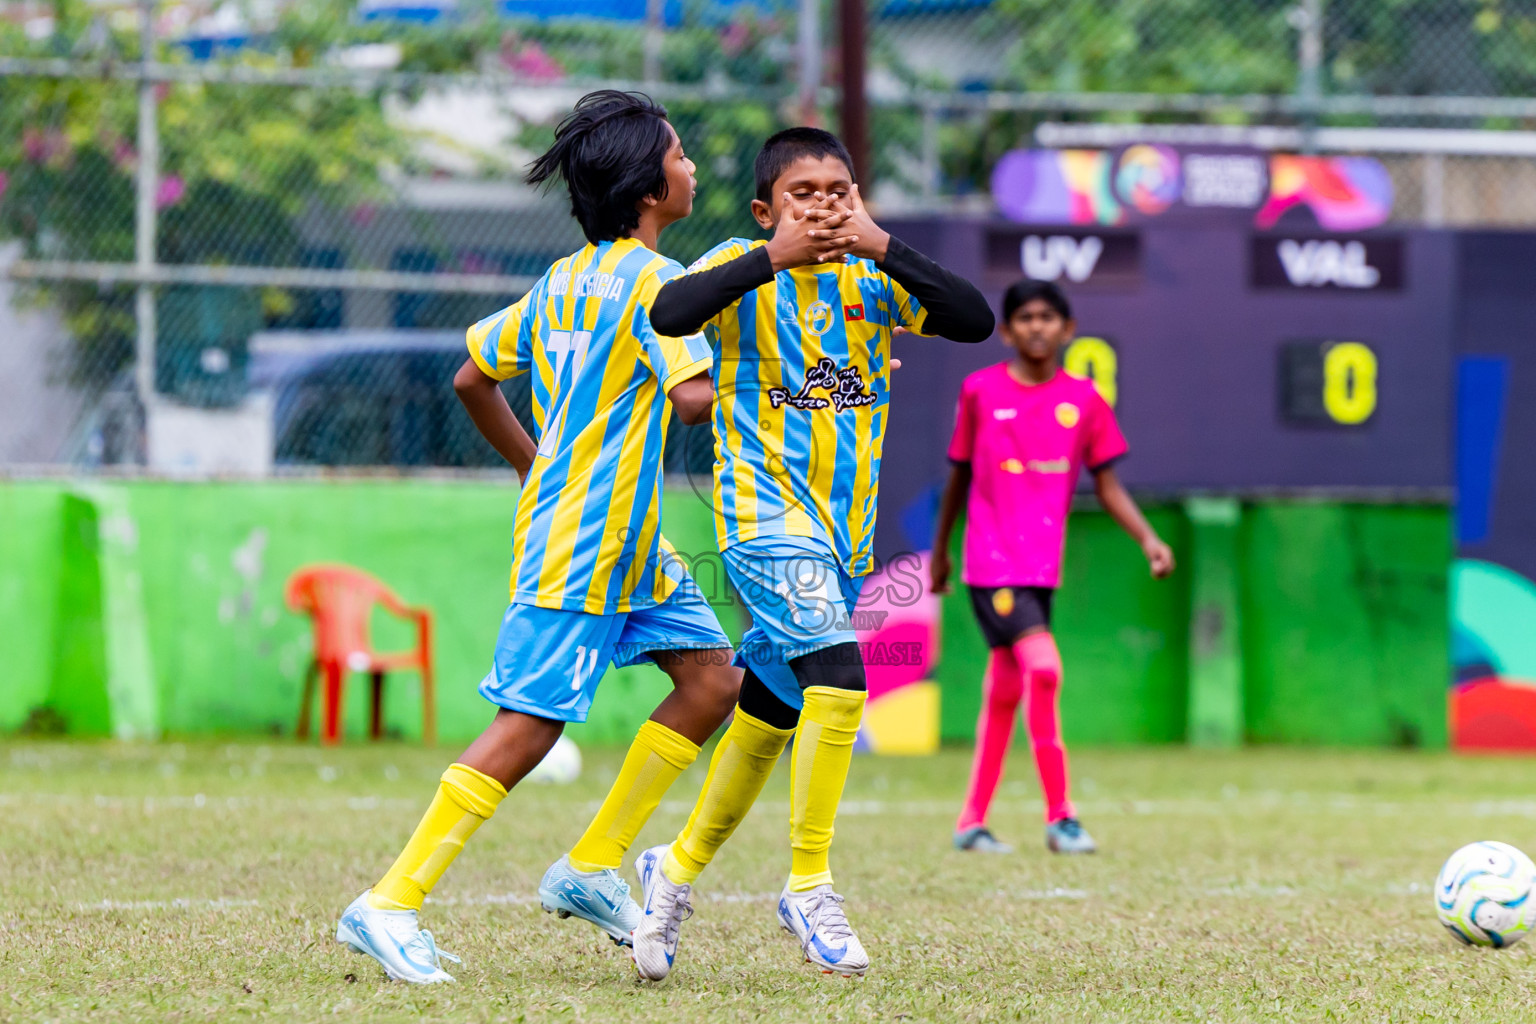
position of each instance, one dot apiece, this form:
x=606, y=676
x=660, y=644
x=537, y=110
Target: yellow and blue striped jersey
x=802, y=374
x=587, y=533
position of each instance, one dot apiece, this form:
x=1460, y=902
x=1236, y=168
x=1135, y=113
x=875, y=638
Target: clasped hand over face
x=825, y=228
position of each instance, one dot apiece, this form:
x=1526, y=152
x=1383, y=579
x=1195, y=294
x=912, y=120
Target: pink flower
x=735, y=37
x=44, y=146
x=363, y=214
x=531, y=61
x=34, y=145
x=171, y=189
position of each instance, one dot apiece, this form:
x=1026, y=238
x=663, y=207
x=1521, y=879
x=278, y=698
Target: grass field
x=202, y=882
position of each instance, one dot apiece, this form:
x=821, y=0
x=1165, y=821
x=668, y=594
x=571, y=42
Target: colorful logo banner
x=1145, y=182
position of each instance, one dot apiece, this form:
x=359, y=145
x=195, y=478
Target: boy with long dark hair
x=593, y=580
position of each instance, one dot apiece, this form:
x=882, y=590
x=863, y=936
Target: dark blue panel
x=919, y=517
x=1481, y=390
x=417, y=14
x=606, y=10
x=895, y=8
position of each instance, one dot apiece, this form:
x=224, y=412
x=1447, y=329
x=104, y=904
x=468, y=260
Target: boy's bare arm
x=955, y=491
x=693, y=399
x=492, y=416
x=1118, y=502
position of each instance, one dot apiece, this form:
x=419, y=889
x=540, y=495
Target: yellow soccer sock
x=465, y=798
x=742, y=763
x=655, y=760
x=819, y=768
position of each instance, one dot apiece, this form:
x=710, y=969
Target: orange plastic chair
x=339, y=600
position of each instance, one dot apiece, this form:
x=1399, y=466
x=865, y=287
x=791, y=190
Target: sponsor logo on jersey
x=1052, y=466
x=817, y=318
x=845, y=386
x=1005, y=414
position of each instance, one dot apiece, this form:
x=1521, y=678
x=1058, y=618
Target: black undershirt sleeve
x=686, y=303
x=956, y=309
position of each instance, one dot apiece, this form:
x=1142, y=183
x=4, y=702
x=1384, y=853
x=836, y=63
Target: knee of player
x=721, y=686
x=1046, y=678
x=840, y=667
x=708, y=679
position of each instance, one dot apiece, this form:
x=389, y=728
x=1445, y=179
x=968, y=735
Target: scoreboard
x=1236, y=359
x=1322, y=383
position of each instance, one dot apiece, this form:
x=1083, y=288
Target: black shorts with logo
x=1007, y=613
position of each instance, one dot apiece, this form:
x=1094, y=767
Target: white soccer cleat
x=1067, y=835
x=599, y=897
x=391, y=937
x=664, y=906
x=816, y=918
x=979, y=839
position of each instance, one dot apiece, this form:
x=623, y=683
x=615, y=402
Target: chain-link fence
x=259, y=249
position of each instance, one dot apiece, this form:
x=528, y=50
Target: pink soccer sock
x=994, y=728
x=1040, y=662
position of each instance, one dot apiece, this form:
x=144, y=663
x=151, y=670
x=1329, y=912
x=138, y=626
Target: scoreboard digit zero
x=1327, y=383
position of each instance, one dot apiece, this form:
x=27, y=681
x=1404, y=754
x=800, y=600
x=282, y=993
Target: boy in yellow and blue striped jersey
x=800, y=327
x=592, y=580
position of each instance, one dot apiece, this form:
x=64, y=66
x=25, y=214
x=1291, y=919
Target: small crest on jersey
x=854, y=312
x=1068, y=415
x=817, y=318
x=1013, y=466
x=1002, y=601
x=846, y=387
x=1005, y=414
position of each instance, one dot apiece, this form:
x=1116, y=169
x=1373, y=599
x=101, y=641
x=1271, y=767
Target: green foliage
x=239, y=165
x=722, y=139
x=1467, y=47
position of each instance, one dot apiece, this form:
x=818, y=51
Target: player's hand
x=865, y=239
x=938, y=573
x=1159, y=557
x=809, y=234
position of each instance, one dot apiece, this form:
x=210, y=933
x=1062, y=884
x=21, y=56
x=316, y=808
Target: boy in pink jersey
x=1024, y=431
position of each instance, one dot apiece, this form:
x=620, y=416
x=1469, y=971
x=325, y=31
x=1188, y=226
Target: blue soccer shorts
x=801, y=599
x=548, y=661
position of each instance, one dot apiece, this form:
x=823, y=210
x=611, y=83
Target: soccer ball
x=561, y=764
x=1483, y=895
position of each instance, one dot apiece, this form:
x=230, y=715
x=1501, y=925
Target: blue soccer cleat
x=816, y=918
x=979, y=839
x=1067, y=835
x=391, y=937
x=599, y=897
x=667, y=906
